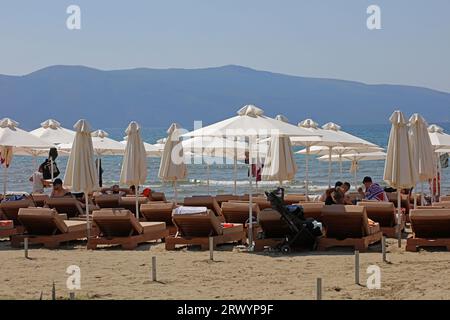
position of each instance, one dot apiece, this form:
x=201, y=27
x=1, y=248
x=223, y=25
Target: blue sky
x=318, y=38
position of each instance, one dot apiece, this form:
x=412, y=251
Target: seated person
x=115, y=189
x=324, y=196
x=58, y=190
x=373, y=191
x=334, y=196
x=345, y=188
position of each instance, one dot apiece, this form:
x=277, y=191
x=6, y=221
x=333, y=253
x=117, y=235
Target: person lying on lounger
x=115, y=189
x=58, y=190
x=373, y=191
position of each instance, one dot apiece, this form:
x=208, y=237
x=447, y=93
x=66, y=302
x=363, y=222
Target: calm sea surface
x=221, y=176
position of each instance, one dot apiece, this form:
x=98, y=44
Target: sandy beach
x=111, y=273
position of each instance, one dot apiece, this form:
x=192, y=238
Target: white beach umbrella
x=441, y=144
x=399, y=170
x=251, y=124
x=81, y=174
x=355, y=158
x=12, y=138
x=279, y=164
x=52, y=132
x=134, y=165
x=151, y=150
x=422, y=150
x=172, y=167
x=216, y=147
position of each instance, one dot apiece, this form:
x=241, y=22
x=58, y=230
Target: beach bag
x=47, y=173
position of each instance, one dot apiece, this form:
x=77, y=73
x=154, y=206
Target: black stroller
x=303, y=232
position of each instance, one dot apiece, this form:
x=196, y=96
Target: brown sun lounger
x=237, y=212
x=45, y=226
x=430, y=228
x=312, y=210
x=385, y=214
x=10, y=210
x=129, y=203
x=7, y=229
x=205, y=201
x=66, y=205
x=220, y=198
x=195, y=229
x=120, y=227
x=442, y=204
x=155, y=211
x=262, y=203
x=444, y=198
x=292, y=198
x=39, y=199
x=347, y=225
x=157, y=196
x=273, y=229
x=107, y=200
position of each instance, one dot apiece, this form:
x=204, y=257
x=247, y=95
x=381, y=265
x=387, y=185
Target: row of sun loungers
x=225, y=220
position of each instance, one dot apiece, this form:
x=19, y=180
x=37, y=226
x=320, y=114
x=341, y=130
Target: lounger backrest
x=382, y=212
x=42, y=221
x=295, y=198
x=430, y=223
x=39, y=199
x=129, y=203
x=444, y=198
x=443, y=204
x=107, y=200
x=235, y=212
x=198, y=225
x=158, y=196
x=10, y=209
x=67, y=205
x=116, y=223
x=312, y=210
x=263, y=203
x=272, y=224
x=158, y=212
x=220, y=198
x=204, y=201
x=342, y=221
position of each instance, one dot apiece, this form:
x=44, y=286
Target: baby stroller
x=303, y=232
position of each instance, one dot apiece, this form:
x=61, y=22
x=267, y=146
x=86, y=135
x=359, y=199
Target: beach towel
x=376, y=192
x=190, y=210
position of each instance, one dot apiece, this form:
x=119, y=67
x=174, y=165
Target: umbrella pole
x=235, y=174
x=5, y=178
x=355, y=172
x=208, y=173
x=340, y=165
x=175, y=191
x=399, y=216
x=329, y=167
x=34, y=163
x=51, y=168
x=439, y=177
x=137, y=201
x=307, y=172
x=415, y=197
x=250, y=200
x=86, y=198
x=422, y=197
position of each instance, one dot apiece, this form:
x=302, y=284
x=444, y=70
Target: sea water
x=222, y=175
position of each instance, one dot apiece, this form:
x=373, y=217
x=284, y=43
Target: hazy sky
x=319, y=38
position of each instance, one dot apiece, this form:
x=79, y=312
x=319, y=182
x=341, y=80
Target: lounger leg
x=91, y=245
x=411, y=247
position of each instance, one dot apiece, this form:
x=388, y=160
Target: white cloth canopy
x=101, y=143
x=15, y=140
x=421, y=148
x=172, y=167
x=279, y=165
x=439, y=139
x=151, y=150
x=52, y=132
x=81, y=174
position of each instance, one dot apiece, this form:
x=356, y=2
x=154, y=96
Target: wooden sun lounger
x=39, y=199
x=262, y=203
x=107, y=200
x=312, y=210
x=444, y=199
x=7, y=229
x=430, y=227
x=120, y=227
x=10, y=211
x=237, y=212
x=195, y=229
x=129, y=203
x=158, y=196
x=205, y=201
x=292, y=198
x=66, y=205
x=442, y=204
x=155, y=211
x=220, y=198
x=385, y=214
x=45, y=226
x=273, y=230
x=348, y=226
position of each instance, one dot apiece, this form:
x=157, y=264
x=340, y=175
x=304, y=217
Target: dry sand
x=111, y=273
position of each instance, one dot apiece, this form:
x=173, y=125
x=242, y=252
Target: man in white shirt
x=38, y=180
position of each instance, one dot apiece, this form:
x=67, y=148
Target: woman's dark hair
x=338, y=184
x=57, y=182
x=347, y=184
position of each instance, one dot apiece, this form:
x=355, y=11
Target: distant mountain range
x=158, y=97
